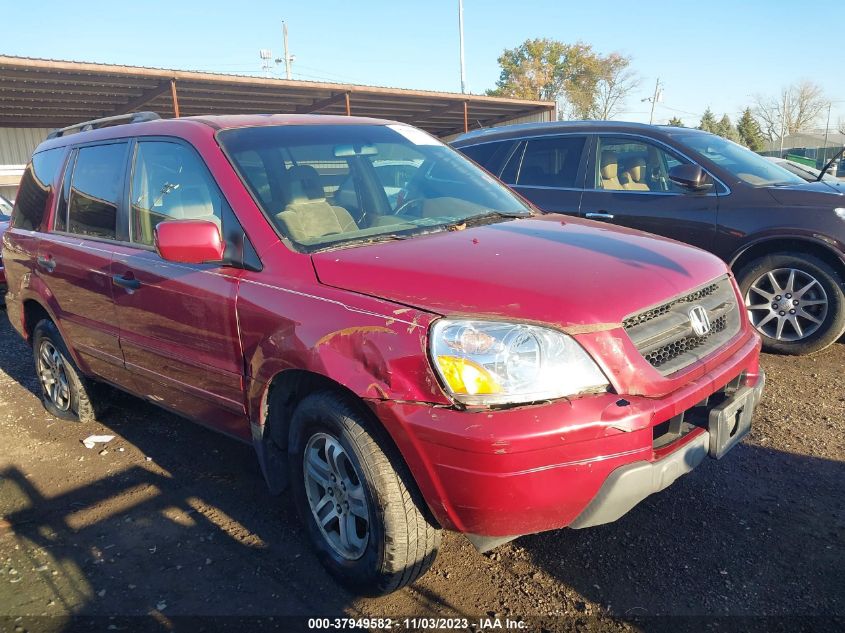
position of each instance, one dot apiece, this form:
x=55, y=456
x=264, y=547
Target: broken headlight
x=492, y=362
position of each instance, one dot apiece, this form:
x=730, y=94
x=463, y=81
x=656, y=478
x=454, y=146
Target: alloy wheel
x=51, y=372
x=786, y=304
x=336, y=495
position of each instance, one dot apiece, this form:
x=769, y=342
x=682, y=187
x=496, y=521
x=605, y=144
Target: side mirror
x=690, y=177
x=189, y=241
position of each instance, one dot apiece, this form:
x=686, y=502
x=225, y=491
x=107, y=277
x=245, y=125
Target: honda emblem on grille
x=699, y=321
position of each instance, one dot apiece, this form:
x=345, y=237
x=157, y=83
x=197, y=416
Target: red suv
x=428, y=354
x=5, y=210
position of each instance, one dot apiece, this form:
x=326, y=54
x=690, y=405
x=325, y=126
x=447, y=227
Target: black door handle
x=47, y=263
x=130, y=283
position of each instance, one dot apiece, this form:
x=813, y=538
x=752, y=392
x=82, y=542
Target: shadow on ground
x=760, y=532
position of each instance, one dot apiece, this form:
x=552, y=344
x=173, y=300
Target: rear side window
x=488, y=155
x=95, y=190
x=169, y=182
x=551, y=162
x=35, y=188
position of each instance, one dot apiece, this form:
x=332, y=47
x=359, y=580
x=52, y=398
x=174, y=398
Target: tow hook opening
x=698, y=416
x=736, y=421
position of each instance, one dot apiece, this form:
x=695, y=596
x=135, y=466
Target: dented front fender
x=374, y=348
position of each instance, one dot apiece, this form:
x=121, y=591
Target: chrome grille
x=664, y=335
x=660, y=310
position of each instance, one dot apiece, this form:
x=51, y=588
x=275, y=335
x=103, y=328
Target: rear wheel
x=795, y=301
x=361, y=509
x=65, y=392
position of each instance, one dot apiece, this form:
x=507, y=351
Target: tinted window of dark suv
x=35, y=189
x=488, y=155
x=551, y=162
x=95, y=190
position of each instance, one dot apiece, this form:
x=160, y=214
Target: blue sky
x=715, y=53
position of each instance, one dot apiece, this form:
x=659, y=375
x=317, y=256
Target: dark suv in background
x=783, y=237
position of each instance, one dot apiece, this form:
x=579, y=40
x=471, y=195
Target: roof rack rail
x=94, y=124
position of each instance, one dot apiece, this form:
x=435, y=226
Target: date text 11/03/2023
x=417, y=624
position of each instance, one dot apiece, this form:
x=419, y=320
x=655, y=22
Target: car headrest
x=195, y=203
x=636, y=169
x=305, y=183
x=609, y=164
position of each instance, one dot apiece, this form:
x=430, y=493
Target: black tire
x=402, y=539
x=833, y=323
x=83, y=402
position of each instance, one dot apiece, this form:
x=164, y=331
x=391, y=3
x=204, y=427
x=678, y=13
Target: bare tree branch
x=796, y=109
x=616, y=82
x=809, y=102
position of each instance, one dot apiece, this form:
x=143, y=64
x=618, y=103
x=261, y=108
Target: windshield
x=5, y=209
x=806, y=172
x=749, y=167
x=328, y=185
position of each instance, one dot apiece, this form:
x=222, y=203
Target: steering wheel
x=398, y=210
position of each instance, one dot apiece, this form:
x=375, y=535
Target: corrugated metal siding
x=17, y=144
x=539, y=117
x=9, y=192
x=531, y=118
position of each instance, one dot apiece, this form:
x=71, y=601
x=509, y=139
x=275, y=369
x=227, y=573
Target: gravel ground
x=173, y=520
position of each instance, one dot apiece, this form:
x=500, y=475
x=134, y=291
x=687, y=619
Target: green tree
x=584, y=83
x=536, y=69
x=676, y=122
x=708, y=122
x=726, y=129
x=749, y=131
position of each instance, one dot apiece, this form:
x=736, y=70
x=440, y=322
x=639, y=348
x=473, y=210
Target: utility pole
x=461, y=37
x=266, y=56
x=653, y=100
x=288, y=58
x=826, y=130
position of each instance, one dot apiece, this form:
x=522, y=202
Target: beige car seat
x=633, y=176
x=609, y=171
x=307, y=216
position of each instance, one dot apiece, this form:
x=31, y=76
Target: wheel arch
x=270, y=425
x=33, y=312
x=766, y=246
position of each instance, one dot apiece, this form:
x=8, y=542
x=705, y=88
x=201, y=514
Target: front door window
x=629, y=164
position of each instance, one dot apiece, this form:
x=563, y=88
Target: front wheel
x=795, y=301
x=361, y=509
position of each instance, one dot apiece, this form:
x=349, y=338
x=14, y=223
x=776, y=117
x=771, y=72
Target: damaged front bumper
x=497, y=475
x=626, y=486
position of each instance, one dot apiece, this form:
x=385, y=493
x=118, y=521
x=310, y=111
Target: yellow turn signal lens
x=466, y=377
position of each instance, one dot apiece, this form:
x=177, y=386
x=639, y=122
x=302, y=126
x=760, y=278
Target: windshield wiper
x=487, y=216
x=387, y=237
x=830, y=163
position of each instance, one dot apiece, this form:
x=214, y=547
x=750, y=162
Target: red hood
x=552, y=268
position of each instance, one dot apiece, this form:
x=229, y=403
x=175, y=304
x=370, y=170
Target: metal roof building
x=39, y=94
